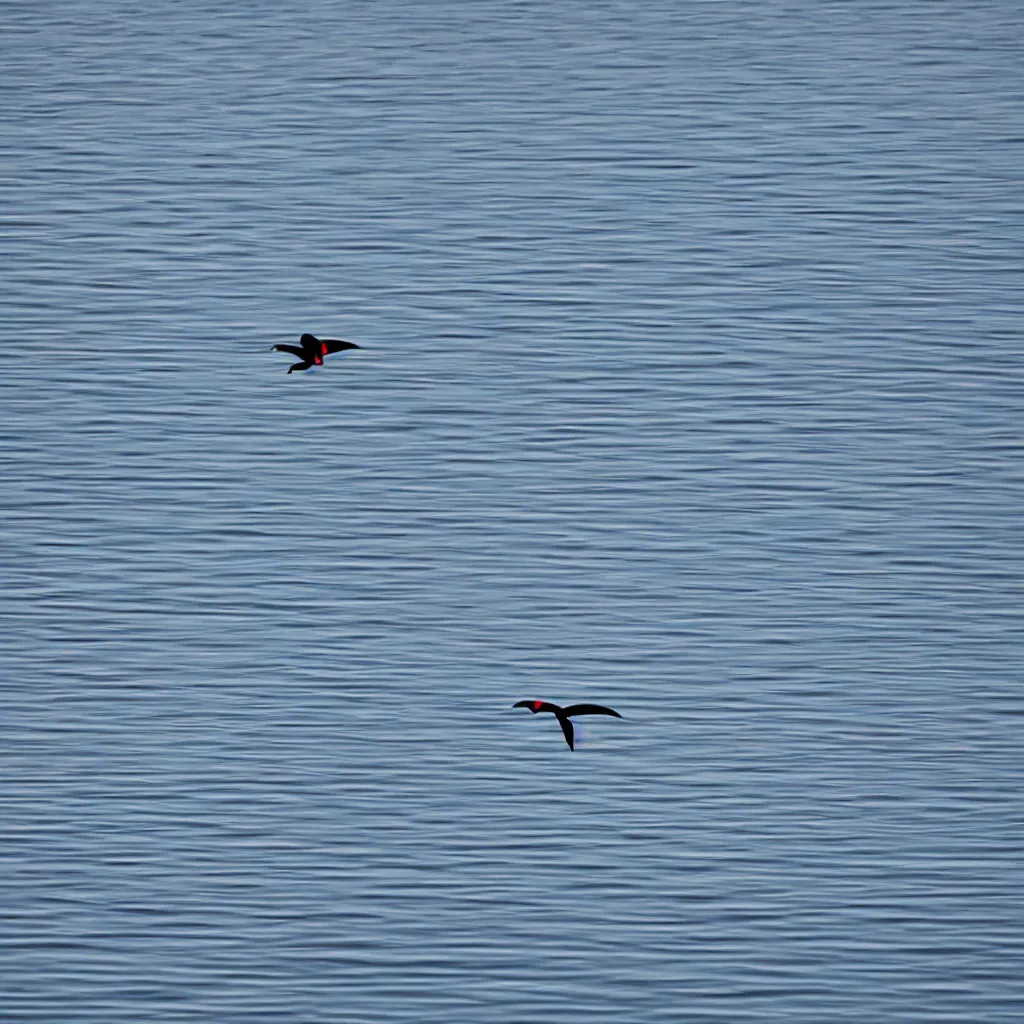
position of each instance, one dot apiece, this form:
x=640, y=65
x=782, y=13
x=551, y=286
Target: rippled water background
x=691, y=384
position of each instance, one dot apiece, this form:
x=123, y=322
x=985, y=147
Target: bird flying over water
x=564, y=714
x=311, y=350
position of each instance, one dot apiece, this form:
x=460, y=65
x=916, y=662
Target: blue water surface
x=690, y=384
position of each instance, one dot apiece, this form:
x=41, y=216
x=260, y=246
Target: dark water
x=691, y=384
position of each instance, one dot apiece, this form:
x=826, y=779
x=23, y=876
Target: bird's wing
x=337, y=345
x=563, y=721
x=294, y=349
x=590, y=709
x=310, y=345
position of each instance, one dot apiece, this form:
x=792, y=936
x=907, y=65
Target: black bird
x=564, y=714
x=312, y=350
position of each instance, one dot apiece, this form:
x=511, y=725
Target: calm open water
x=691, y=384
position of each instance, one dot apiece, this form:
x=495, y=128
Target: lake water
x=690, y=384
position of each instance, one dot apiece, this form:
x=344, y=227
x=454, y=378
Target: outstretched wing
x=294, y=349
x=336, y=345
x=563, y=721
x=590, y=709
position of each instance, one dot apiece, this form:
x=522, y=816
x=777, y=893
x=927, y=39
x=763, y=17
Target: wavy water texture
x=690, y=385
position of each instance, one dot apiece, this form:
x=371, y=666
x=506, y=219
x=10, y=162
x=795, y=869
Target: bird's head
x=533, y=705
